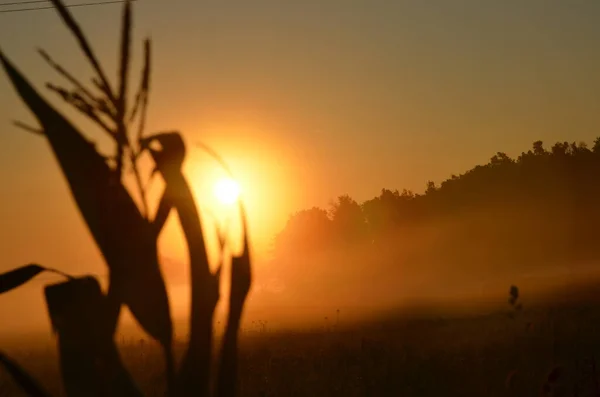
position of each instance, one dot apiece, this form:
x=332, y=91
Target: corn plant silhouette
x=125, y=237
x=82, y=316
x=195, y=368
x=15, y=278
x=194, y=376
x=29, y=385
x=241, y=280
x=89, y=360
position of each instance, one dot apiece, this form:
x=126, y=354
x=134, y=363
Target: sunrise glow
x=227, y=190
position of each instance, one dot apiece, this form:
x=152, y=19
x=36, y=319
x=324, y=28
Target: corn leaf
x=23, y=379
x=17, y=277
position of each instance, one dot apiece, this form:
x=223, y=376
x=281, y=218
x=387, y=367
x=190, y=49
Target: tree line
x=538, y=208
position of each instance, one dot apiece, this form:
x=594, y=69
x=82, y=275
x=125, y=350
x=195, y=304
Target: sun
x=227, y=190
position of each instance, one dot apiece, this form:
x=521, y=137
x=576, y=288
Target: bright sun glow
x=227, y=191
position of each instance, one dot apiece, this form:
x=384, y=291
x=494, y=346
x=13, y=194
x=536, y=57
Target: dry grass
x=490, y=355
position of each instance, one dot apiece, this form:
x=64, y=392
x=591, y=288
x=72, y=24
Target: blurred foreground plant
x=82, y=316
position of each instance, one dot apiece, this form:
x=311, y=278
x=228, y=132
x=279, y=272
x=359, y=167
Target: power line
x=18, y=3
x=98, y=3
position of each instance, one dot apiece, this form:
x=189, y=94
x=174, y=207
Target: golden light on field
x=227, y=191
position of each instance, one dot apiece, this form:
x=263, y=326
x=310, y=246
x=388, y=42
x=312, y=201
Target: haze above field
x=307, y=101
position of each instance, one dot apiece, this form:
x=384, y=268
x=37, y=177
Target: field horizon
x=387, y=352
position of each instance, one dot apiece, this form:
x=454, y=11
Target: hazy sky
x=311, y=99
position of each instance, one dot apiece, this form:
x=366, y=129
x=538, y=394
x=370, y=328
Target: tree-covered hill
x=507, y=216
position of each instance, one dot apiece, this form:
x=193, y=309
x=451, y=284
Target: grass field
x=496, y=354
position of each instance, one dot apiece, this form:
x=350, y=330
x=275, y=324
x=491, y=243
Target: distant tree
x=384, y=212
x=407, y=194
x=538, y=148
x=561, y=149
x=499, y=159
x=431, y=188
x=347, y=218
x=596, y=147
x=542, y=199
x=579, y=148
x=306, y=231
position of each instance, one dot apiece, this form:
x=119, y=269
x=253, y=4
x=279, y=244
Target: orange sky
x=309, y=100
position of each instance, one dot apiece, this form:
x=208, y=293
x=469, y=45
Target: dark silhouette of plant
x=83, y=318
x=125, y=237
x=514, y=301
x=514, y=296
x=241, y=279
x=23, y=379
x=194, y=374
x=20, y=276
x=89, y=359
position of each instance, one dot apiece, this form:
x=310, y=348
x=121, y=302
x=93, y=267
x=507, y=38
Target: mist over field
x=457, y=247
x=416, y=184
